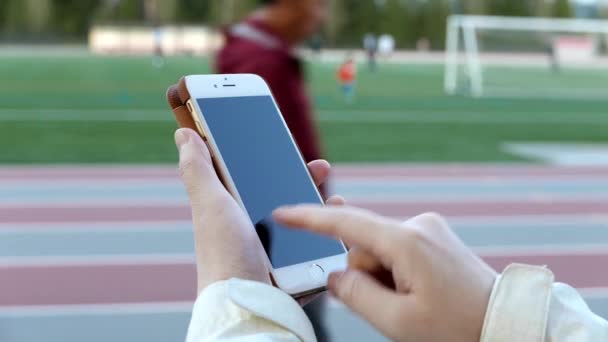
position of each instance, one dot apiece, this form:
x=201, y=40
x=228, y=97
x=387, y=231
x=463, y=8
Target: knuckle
x=427, y=224
x=433, y=221
x=349, y=286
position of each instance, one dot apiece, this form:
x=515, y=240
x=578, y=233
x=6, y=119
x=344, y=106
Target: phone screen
x=268, y=172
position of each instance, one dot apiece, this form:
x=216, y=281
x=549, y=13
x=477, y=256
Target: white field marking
x=79, y=227
x=379, y=116
x=92, y=260
x=542, y=250
x=95, y=309
x=333, y=115
x=566, y=154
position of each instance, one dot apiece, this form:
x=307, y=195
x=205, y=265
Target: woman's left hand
x=226, y=243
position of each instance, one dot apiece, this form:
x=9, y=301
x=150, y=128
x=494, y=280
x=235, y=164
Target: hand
x=414, y=281
x=226, y=243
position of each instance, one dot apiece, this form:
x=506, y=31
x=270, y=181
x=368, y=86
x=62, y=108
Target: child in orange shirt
x=347, y=77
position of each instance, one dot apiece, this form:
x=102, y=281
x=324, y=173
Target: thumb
x=195, y=167
x=367, y=297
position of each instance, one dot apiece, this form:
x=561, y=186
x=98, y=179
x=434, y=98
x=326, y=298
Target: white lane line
x=78, y=202
x=183, y=225
x=350, y=180
x=102, y=260
x=544, y=220
x=95, y=309
x=112, y=309
x=157, y=182
x=542, y=250
x=96, y=227
x=189, y=259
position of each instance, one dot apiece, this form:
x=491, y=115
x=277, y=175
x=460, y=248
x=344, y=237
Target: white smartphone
x=262, y=167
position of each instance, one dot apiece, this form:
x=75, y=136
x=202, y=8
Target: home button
x=316, y=272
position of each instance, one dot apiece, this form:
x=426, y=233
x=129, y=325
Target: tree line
x=408, y=21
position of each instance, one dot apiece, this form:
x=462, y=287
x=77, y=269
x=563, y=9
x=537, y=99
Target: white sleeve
x=238, y=310
x=526, y=306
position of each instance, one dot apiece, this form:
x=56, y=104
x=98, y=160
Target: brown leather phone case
x=177, y=96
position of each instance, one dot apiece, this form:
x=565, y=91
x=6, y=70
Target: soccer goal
x=526, y=57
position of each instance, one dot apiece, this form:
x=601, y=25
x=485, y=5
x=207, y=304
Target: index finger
x=356, y=226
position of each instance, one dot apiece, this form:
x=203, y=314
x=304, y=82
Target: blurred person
x=414, y=281
x=316, y=44
x=386, y=45
x=263, y=44
x=370, y=45
x=553, y=57
x=423, y=45
x=158, y=60
x=347, y=77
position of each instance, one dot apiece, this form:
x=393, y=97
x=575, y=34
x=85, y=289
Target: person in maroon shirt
x=263, y=44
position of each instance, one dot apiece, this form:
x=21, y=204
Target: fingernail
x=181, y=138
x=333, y=280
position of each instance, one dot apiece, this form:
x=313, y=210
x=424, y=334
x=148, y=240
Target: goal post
x=554, y=52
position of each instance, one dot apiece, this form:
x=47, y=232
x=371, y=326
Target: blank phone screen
x=268, y=172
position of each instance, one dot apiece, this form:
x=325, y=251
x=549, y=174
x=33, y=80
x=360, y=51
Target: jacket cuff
x=223, y=305
x=519, y=305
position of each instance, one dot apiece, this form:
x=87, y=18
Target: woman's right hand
x=414, y=281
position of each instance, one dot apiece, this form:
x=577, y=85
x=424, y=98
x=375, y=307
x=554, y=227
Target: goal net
x=526, y=57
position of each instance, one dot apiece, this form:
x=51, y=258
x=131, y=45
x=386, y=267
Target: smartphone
x=261, y=166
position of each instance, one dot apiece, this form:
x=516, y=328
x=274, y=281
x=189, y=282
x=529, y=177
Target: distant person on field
x=159, y=58
x=386, y=45
x=553, y=57
x=370, y=45
x=263, y=44
x=347, y=77
x=316, y=44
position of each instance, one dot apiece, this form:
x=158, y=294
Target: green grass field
x=110, y=110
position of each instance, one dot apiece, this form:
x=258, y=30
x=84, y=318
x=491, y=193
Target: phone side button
x=189, y=106
x=316, y=272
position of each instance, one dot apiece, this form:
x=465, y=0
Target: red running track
x=163, y=281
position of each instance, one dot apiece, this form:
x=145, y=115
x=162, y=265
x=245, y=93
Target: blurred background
x=493, y=113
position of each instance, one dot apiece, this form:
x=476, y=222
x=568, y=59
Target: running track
x=105, y=253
